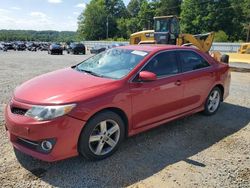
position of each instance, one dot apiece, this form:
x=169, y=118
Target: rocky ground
x=196, y=151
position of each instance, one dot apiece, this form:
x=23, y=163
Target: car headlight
x=42, y=113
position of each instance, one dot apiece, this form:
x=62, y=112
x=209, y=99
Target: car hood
x=62, y=86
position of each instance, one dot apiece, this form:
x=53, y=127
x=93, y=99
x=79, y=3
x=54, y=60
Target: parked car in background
x=20, y=46
x=96, y=49
x=1, y=46
x=91, y=107
x=8, y=46
x=31, y=46
x=44, y=47
x=76, y=48
x=113, y=45
x=55, y=49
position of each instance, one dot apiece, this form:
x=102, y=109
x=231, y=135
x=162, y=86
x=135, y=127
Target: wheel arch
x=221, y=87
x=119, y=112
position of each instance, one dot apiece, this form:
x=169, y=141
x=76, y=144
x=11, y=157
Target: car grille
x=19, y=111
x=28, y=143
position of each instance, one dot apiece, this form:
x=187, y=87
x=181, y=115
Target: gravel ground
x=195, y=151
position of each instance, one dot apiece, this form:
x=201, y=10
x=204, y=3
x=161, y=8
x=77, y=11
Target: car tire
x=101, y=136
x=213, y=101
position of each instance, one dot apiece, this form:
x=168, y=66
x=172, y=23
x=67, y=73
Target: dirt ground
x=196, y=151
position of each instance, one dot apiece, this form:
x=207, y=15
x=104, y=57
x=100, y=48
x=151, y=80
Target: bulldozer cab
x=167, y=29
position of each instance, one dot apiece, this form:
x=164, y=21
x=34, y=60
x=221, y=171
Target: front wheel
x=101, y=136
x=213, y=101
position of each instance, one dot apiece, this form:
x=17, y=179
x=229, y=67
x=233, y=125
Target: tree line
x=30, y=35
x=104, y=19
x=111, y=19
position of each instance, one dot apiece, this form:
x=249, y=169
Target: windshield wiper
x=89, y=72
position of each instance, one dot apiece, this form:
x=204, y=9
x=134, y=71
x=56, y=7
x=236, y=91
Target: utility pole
x=107, y=27
x=248, y=32
x=247, y=28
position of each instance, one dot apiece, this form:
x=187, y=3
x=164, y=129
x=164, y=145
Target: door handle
x=178, y=83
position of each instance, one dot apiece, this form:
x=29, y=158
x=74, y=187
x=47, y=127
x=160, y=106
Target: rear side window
x=191, y=61
x=163, y=64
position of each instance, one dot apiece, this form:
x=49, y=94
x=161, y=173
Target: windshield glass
x=161, y=25
x=114, y=63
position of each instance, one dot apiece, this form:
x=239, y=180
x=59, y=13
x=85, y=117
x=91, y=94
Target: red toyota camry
x=90, y=108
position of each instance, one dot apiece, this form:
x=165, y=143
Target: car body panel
x=80, y=85
x=164, y=99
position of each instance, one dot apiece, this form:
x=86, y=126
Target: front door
x=161, y=99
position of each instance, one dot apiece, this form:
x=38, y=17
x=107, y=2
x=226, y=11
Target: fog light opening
x=46, y=145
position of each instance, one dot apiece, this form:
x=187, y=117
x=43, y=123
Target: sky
x=60, y=15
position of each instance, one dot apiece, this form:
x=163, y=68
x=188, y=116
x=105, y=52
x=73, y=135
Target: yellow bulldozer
x=167, y=31
x=244, y=48
x=242, y=55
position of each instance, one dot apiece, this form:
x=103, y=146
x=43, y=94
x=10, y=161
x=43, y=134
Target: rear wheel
x=101, y=136
x=213, y=101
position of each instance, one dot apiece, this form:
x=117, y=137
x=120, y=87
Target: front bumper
x=64, y=130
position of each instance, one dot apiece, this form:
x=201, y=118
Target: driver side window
x=163, y=64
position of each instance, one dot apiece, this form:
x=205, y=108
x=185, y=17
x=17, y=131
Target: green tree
x=30, y=35
x=134, y=7
x=246, y=9
x=146, y=15
x=92, y=21
x=206, y=16
x=116, y=10
x=168, y=7
x=122, y=27
x=127, y=26
x=246, y=12
x=220, y=36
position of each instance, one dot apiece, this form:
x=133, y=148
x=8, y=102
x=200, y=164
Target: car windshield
x=114, y=63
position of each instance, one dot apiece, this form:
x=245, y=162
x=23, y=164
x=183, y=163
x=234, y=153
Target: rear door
x=198, y=78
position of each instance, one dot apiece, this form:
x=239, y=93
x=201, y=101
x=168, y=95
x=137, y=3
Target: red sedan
x=90, y=108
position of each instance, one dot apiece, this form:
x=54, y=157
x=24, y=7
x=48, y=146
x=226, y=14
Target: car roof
x=154, y=47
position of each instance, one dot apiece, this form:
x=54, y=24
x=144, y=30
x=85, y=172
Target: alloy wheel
x=213, y=101
x=104, y=137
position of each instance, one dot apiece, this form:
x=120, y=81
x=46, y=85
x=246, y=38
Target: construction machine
x=242, y=55
x=147, y=36
x=167, y=31
x=244, y=48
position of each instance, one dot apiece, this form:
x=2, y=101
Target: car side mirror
x=147, y=76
